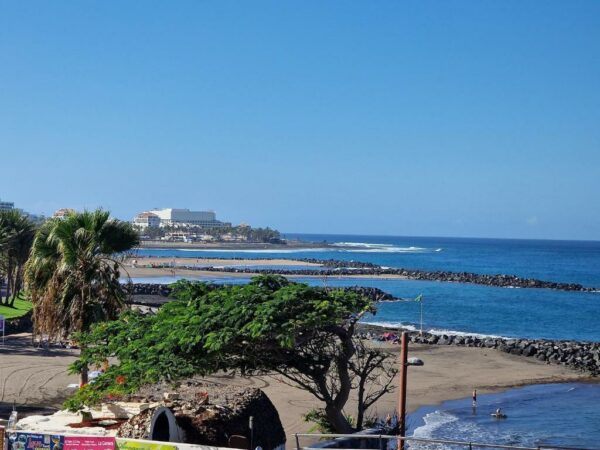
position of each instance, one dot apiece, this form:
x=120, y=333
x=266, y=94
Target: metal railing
x=383, y=441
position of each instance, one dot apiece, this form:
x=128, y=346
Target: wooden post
x=402, y=386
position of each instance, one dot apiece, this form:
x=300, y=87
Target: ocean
x=453, y=308
x=551, y=415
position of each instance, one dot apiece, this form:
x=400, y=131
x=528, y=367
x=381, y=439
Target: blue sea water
x=549, y=415
x=565, y=261
x=461, y=308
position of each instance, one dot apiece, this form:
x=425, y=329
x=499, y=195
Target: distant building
x=5, y=206
x=146, y=219
x=185, y=217
x=62, y=213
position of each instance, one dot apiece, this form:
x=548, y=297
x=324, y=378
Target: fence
x=28, y=440
x=358, y=441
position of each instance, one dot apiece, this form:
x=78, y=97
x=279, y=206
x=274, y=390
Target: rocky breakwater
x=498, y=280
x=336, y=263
x=582, y=356
x=162, y=290
x=145, y=292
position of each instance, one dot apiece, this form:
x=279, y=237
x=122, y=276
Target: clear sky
x=444, y=118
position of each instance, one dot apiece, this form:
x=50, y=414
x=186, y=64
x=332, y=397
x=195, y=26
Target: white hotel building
x=175, y=216
x=6, y=205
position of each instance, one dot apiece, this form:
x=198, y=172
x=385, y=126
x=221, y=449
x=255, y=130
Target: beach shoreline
x=449, y=373
x=159, y=267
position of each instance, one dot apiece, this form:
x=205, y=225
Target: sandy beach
x=33, y=377
x=144, y=261
x=159, y=272
x=143, y=268
x=449, y=373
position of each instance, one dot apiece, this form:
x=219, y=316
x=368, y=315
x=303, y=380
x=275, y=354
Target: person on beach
x=474, y=397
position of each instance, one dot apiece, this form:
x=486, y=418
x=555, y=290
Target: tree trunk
x=83, y=377
x=337, y=420
x=8, y=278
x=16, y=286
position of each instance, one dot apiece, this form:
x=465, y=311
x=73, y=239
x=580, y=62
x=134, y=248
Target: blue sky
x=444, y=118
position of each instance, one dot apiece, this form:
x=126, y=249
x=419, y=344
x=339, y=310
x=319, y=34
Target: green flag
x=419, y=298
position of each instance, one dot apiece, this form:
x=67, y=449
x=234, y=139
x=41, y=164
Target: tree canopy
x=16, y=237
x=303, y=334
x=73, y=271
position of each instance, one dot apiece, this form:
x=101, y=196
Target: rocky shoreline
x=350, y=268
x=147, y=291
x=581, y=356
x=500, y=280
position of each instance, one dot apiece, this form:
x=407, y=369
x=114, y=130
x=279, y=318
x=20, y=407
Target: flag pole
x=421, y=302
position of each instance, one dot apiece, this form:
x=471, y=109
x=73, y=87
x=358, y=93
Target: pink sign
x=89, y=443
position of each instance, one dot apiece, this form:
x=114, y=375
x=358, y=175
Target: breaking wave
x=435, y=331
x=365, y=247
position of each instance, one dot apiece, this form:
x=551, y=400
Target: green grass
x=21, y=308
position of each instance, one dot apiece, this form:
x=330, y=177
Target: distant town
x=184, y=225
x=180, y=225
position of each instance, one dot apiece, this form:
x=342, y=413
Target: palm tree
x=16, y=237
x=73, y=272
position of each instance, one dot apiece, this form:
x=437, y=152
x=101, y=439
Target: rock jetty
x=146, y=293
x=581, y=356
x=333, y=267
x=499, y=280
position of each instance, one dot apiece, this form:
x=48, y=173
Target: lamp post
x=402, y=384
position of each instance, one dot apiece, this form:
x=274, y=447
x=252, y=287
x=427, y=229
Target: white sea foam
x=442, y=424
x=404, y=326
x=248, y=250
x=366, y=247
x=350, y=247
x=435, y=331
x=387, y=250
x=433, y=422
x=359, y=244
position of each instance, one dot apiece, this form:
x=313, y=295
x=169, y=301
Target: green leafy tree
x=16, y=237
x=73, y=272
x=303, y=335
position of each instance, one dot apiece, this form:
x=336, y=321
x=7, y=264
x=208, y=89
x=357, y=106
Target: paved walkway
x=32, y=378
